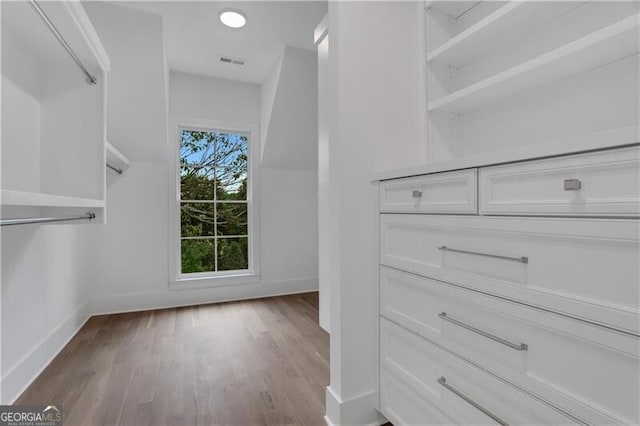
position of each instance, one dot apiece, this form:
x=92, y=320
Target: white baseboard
x=200, y=296
x=18, y=377
x=359, y=410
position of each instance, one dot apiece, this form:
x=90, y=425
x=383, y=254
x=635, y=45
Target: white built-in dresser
x=509, y=268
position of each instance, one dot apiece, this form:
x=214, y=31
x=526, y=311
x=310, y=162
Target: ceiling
x=195, y=37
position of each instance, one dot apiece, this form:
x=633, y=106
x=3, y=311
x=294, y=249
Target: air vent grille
x=232, y=61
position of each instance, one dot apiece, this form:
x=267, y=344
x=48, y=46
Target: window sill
x=213, y=281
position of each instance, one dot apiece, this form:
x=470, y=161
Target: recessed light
x=233, y=18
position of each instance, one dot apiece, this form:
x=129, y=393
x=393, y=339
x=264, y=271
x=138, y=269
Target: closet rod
x=87, y=216
x=90, y=78
x=115, y=169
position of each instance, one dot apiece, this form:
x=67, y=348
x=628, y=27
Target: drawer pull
x=517, y=347
x=443, y=381
x=416, y=194
x=523, y=259
x=572, y=184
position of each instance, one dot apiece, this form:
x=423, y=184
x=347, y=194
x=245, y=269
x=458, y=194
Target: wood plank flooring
x=258, y=362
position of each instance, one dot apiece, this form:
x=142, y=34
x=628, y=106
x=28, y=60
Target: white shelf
x=117, y=159
x=484, y=37
x=451, y=8
x=609, y=44
x=33, y=199
x=53, y=116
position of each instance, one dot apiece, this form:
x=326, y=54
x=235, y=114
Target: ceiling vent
x=232, y=61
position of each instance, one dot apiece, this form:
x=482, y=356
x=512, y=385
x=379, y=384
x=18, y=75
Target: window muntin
x=214, y=207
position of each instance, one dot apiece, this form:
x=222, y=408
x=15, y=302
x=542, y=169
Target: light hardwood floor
x=258, y=362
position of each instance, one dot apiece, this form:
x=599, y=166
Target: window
x=214, y=202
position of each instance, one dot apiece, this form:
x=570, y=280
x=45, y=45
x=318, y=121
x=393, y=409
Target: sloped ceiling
x=290, y=120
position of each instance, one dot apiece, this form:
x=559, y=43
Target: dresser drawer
x=402, y=405
x=452, y=192
x=418, y=378
x=540, y=351
x=587, y=268
x=604, y=183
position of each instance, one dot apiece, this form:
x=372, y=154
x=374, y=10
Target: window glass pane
x=232, y=219
x=213, y=167
x=197, y=184
x=197, y=149
x=231, y=166
x=198, y=255
x=197, y=219
x=231, y=185
x=233, y=254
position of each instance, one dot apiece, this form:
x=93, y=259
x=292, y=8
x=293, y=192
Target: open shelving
x=53, y=108
x=513, y=75
x=614, y=42
x=487, y=35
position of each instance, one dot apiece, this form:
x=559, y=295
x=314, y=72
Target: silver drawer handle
x=416, y=194
x=465, y=398
x=572, y=184
x=517, y=347
x=523, y=259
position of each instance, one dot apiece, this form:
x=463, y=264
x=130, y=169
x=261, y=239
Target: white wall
x=268, y=90
x=288, y=225
x=45, y=293
x=374, y=124
x=136, y=95
x=324, y=180
x=131, y=250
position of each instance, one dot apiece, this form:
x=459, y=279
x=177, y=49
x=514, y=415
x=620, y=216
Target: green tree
x=213, y=166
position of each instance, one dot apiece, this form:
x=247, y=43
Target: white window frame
x=214, y=278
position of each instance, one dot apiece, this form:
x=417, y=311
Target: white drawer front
x=600, y=184
x=570, y=262
x=452, y=192
x=441, y=379
x=403, y=406
x=547, y=353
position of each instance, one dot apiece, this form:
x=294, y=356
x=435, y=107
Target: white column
x=373, y=100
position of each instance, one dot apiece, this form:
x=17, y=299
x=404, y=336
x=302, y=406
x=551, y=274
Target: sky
x=208, y=150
